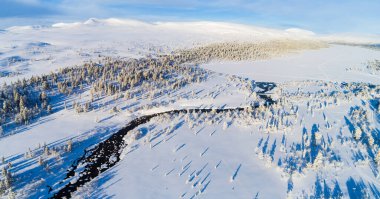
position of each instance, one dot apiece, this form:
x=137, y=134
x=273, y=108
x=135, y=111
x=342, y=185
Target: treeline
x=25, y=100
x=374, y=66
x=245, y=51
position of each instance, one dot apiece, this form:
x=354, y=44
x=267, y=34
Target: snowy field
x=299, y=123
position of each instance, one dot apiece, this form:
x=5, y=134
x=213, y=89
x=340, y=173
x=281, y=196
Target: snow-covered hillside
x=126, y=109
x=35, y=50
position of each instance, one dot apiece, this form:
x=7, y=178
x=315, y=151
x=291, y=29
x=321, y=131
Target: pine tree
x=318, y=160
x=11, y=194
x=40, y=161
x=45, y=85
x=357, y=133
x=377, y=158
x=69, y=145
x=5, y=106
x=46, y=151
x=371, y=141
x=43, y=96
x=6, y=178
x=48, y=109
x=22, y=104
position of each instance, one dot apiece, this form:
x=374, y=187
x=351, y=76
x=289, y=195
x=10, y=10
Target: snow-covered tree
x=371, y=141
x=357, y=133
x=319, y=159
x=377, y=158
x=69, y=145
x=48, y=109
x=40, y=161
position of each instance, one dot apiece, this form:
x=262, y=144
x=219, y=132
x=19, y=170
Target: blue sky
x=321, y=16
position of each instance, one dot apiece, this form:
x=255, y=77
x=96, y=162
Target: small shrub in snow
x=225, y=125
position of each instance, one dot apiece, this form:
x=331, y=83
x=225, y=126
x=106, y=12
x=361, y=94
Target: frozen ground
x=319, y=140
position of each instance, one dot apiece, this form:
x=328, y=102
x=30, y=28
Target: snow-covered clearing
x=328, y=64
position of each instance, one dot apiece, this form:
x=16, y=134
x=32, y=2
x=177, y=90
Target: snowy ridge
x=228, y=30
x=209, y=27
x=101, y=22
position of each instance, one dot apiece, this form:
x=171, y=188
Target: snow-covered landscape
x=120, y=108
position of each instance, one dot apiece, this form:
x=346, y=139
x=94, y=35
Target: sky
x=320, y=16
